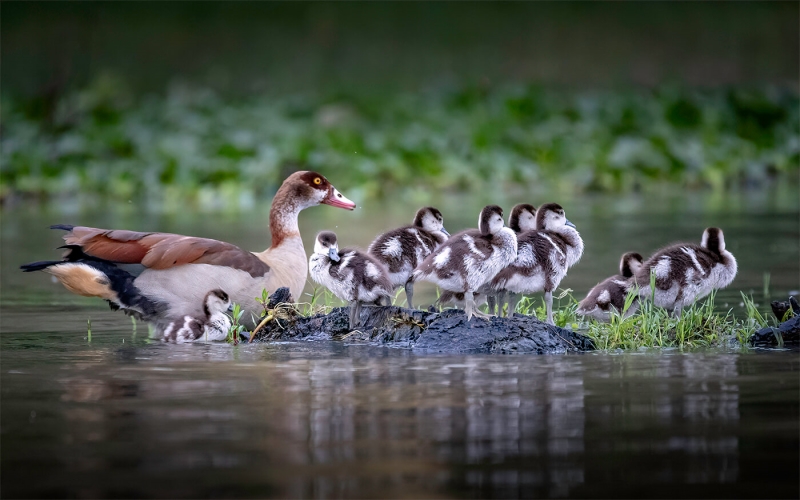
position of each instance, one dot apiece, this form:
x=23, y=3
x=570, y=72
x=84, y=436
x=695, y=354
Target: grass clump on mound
x=698, y=325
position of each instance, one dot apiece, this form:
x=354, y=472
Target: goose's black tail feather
x=129, y=298
x=38, y=266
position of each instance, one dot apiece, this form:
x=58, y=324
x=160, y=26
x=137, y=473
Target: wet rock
x=785, y=333
x=428, y=331
x=781, y=307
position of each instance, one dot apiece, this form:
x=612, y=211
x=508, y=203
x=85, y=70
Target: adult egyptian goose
x=609, y=295
x=522, y=218
x=471, y=258
x=212, y=326
x=180, y=270
x=353, y=276
x=685, y=272
x=543, y=257
x=401, y=250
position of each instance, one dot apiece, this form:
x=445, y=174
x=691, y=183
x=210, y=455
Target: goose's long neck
x=283, y=218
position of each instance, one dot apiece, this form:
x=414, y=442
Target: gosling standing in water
x=471, y=258
x=609, y=294
x=543, y=257
x=685, y=272
x=401, y=250
x=213, y=326
x=353, y=276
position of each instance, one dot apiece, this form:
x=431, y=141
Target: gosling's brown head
x=327, y=244
x=713, y=240
x=522, y=218
x=430, y=219
x=629, y=264
x=216, y=301
x=490, y=220
x=551, y=217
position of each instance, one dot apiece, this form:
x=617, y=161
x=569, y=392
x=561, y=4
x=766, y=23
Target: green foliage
x=564, y=309
x=264, y=299
x=321, y=300
x=697, y=326
x=192, y=145
x=236, y=327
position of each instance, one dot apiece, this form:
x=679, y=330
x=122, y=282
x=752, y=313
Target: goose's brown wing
x=161, y=250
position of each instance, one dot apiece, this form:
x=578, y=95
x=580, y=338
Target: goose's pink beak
x=337, y=199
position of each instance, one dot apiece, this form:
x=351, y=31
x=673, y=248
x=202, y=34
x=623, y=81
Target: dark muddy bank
x=432, y=332
x=786, y=333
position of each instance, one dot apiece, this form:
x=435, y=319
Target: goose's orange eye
x=317, y=181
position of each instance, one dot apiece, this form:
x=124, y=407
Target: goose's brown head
x=312, y=188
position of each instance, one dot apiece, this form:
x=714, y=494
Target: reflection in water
x=272, y=422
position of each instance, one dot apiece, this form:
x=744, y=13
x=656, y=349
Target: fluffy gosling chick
x=685, y=272
x=353, y=276
x=609, y=294
x=401, y=250
x=470, y=259
x=214, y=325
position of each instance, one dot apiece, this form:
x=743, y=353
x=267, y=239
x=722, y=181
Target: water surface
x=122, y=416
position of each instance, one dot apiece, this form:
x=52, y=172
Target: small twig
x=346, y=335
x=264, y=321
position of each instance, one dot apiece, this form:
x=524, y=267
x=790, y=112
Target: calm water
x=121, y=416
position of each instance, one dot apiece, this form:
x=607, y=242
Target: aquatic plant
x=698, y=326
x=236, y=327
x=193, y=145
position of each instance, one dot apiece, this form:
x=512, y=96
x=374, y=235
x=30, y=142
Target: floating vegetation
x=193, y=145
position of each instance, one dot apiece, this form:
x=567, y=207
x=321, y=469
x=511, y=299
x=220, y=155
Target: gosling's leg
x=491, y=302
x=513, y=300
x=548, y=300
x=502, y=298
x=469, y=307
x=409, y=293
x=355, y=314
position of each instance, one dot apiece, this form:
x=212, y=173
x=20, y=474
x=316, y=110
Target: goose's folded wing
x=161, y=250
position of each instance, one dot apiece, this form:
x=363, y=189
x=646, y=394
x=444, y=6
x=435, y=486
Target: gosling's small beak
x=230, y=307
x=570, y=224
x=445, y=232
x=333, y=253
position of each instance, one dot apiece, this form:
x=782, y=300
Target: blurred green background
x=213, y=103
